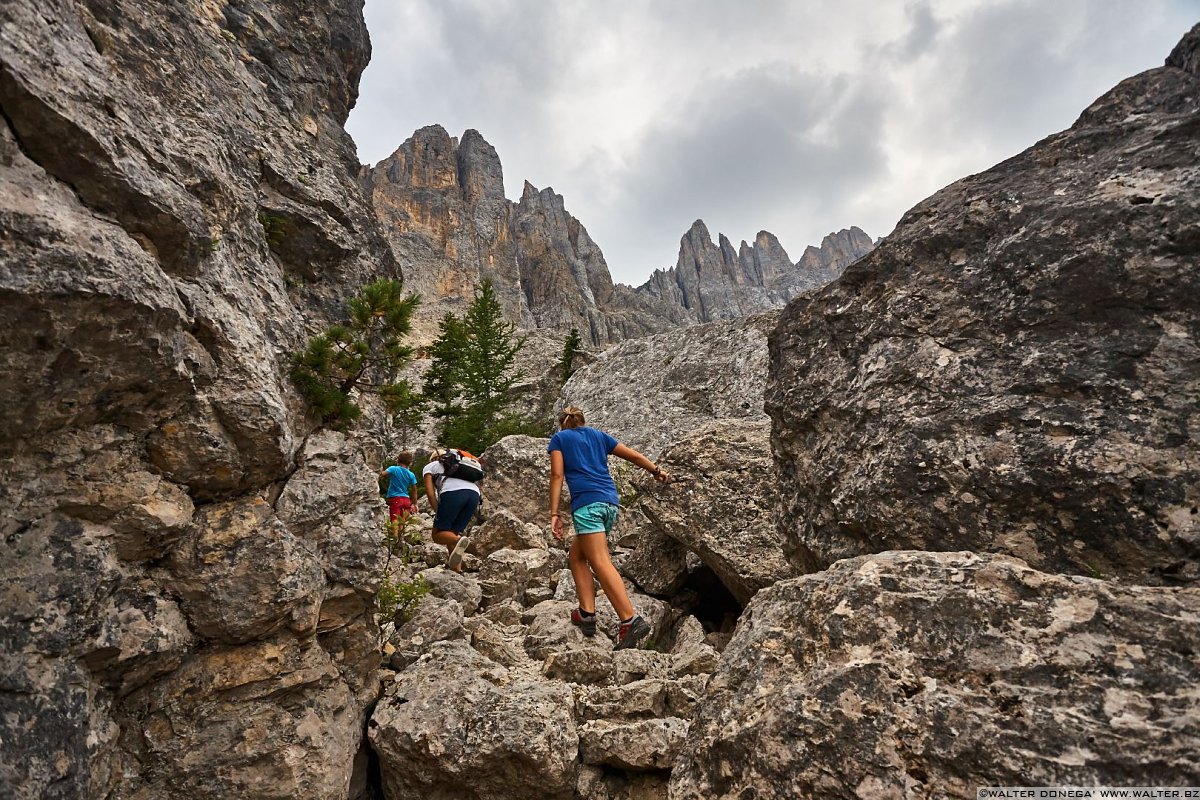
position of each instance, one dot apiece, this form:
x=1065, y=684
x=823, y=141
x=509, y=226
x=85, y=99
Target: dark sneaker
x=586, y=624
x=460, y=550
x=632, y=632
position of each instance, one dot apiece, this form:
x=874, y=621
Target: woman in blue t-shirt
x=580, y=454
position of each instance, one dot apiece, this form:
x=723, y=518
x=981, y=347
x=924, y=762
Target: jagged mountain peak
x=442, y=202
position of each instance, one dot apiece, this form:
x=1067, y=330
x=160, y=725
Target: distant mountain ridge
x=441, y=204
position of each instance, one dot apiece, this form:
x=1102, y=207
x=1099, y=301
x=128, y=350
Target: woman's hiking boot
x=586, y=622
x=631, y=632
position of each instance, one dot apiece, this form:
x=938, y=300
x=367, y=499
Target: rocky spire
x=442, y=207
x=710, y=282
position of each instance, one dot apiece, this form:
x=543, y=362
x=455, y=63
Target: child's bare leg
x=594, y=548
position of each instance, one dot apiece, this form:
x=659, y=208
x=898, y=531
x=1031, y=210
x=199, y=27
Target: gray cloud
x=759, y=150
x=795, y=117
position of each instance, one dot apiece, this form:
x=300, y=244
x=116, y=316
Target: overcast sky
x=794, y=116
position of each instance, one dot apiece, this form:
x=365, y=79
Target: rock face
x=722, y=505
x=714, y=282
x=441, y=203
x=920, y=674
x=653, y=391
x=188, y=578
x=1017, y=369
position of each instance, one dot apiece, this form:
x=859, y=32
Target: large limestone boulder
x=179, y=215
x=659, y=564
x=436, y=619
x=917, y=674
x=1017, y=368
x=502, y=529
x=642, y=745
x=653, y=391
x=456, y=725
x=268, y=719
x=722, y=505
x=518, y=480
x=243, y=575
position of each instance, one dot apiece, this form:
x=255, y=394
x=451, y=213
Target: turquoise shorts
x=595, y=518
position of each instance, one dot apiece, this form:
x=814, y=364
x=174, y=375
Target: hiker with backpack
x=452, y=485
x=579, y=454
x=402, y=487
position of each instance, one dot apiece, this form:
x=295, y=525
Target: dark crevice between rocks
x=368, y=786
x=706, y=598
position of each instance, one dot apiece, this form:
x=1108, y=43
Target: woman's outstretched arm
x=634, y=457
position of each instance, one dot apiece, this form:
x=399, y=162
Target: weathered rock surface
x=722, y=505
x=502, y=529
x=236, y=722
x=713, y=282
x=1017, y=368
x=457, y=725
x=653, y=391
x=912, y=674
x=440, y=201
x=518, y=480
x=645, y=744
x=436, y=619
x=178, y=210
x=659, y=565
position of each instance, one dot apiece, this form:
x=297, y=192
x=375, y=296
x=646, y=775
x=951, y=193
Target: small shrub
x=398, y=601
x=363, y=354
x=274, y=228
x=566, y=361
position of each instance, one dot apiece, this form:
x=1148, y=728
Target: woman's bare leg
x=594, y=549
x=447, y=539
x=584, y=588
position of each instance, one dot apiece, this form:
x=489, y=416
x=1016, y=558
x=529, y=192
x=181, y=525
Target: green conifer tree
x=570, y=348
x=362, y=355
x=471, y=377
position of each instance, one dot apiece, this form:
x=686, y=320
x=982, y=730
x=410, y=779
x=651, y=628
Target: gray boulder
x=243, y=575
x=502, y=529
x=1006, y=373
x=499, y=643
x=224, y=724
x=599, y=783
x=583, y=666
x=934, y=673
x=653, y=391
x=642, y=699
x=435, y=620
x=549, y=631
x=179, y=216
x=508, y=574
x=658, y=564
x=518, y=479
x=456, y=725
x=642, y=745
x=462, y=588
x=722, y=505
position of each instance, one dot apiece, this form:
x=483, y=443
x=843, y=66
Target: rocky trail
x=938, y=522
